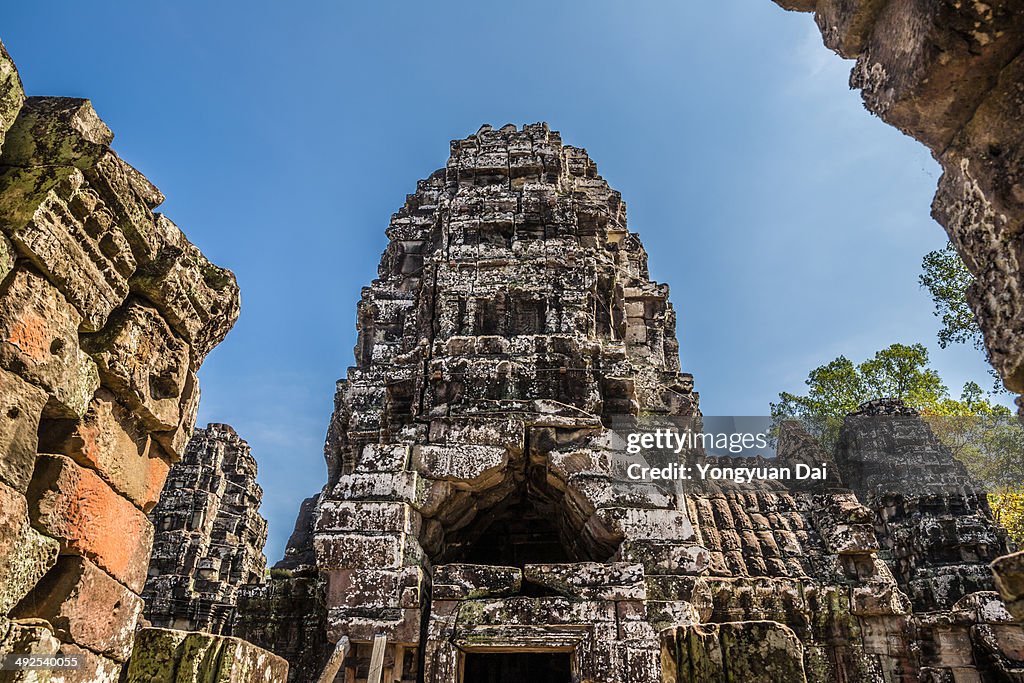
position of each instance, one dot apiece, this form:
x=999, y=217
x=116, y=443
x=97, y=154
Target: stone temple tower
x=477, y=526
x=512, y=313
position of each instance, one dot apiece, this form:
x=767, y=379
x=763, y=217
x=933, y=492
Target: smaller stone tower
x=209, y=535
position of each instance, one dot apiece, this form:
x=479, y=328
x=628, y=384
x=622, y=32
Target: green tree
x=946, y=278
x=835, y=389
x=982, y=434
x=989, y=441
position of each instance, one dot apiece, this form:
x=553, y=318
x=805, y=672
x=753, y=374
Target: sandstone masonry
x=951, y=74
x=106, y=313
x=473, y=507
x=209, y=535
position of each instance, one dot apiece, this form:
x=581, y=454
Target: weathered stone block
x=166, y=656
x=129, y=196
x=85, y=606
x=401, y=626
x=461, y=462
x=21, y=405
x=1004, y=643
x=362, y=515
x=155, y=655
x=174, y=441
x=142, y=361
x=979, y=192
x=31, y=638
x=951, y=641
x=382, y=458
x=508, y=433
x=845, y=524
x=638, y=663
x=25, y=554
x=671, y=525
x=875, y=598
x=669, y=588
x=459, y=581
x=590, y=580
x=39, y=342
x=667, y=557
x=521, y=610
x=375, y=588
x=95, y=668
x=63, y=228
x=12, y=95
x=927, y=64
x=56, y=131
x=984, y=607
x=592, y=492
x=1009, y=575
x=343, y=551
x=81, y=511
x=108, y=440
x=24, y=190
x=846, y=24
x=381, y=486
x=7, y=257
x=198, y=299
x=754, y=651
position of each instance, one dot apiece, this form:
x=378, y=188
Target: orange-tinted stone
x=39, y=341
x=109, y=440
x=86, y=607
x=89, y=518
x=144, y=363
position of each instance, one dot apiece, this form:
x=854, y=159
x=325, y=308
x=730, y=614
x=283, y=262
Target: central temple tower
x=479, y=525
x=513, y=316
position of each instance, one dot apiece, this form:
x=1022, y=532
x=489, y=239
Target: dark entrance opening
x=524, y=519
x=518, y=667
x=521, y=534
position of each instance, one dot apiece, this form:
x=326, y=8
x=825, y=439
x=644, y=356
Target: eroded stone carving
x=98, y=356
x=209, y=535
x=474, y=503
x=951, y=74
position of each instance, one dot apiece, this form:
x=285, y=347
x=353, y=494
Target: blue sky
x=789, y=223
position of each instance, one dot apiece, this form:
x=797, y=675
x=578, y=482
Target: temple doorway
x=517, y=667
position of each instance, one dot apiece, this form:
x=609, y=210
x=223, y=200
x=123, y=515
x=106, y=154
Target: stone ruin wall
x=950, y=74
x=288, y=615
x=512, y=319
x=208, y=535
x=513, y=310
x=106, y=313
x=886, y=580
x=947, y=73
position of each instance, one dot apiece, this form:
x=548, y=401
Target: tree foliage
x=946, y=278
x=1008, y=512
x=981, y=434
x=989, y=443
x=836, y=389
